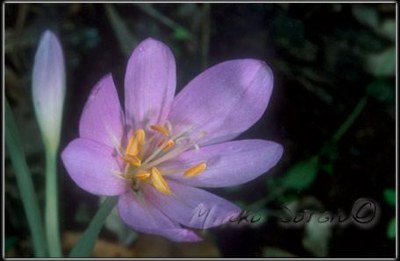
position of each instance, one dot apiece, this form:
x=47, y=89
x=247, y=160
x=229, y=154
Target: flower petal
x=102, y=117
x=192, y=207
x=228, y=164
x=150, y=82
x=93, y=167
x=48, y=88
x=146, y=218
x=223, y=101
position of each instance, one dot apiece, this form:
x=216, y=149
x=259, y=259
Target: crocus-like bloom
x=48, y=88
x=156, y=154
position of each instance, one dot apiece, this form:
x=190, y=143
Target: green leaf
x=328, y=168
x=391, y=230
x=317, y=236
x=388, y=29
x=390, y=196
x=124, y=36
x=367, y=15
x=302, y=174
x=181, y=33
x=85, y=245
x=116, y=225
x=25, y=184
x=10, y=242
x=288, y=197
x=382, y=91
x=384, y=63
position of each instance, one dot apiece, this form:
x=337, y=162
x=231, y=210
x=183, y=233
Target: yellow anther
x=133, y=160
x=135, y=143
x=169, y=144
x=131, y=145
x=195, y=170
x=160, y=129
x=159, y=182
x=142, y=175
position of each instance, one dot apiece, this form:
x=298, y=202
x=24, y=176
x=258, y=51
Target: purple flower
x=156, y=154
x=48, y=89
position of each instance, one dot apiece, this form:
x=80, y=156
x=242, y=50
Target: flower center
x=146, y=150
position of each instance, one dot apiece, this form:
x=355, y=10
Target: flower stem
x=350, y=120
x=51, y=210
x=25, y=184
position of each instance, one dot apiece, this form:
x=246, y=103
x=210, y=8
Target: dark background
x=327, y=59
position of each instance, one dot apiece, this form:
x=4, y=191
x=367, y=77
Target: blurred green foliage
x=390, y=196
x=391, y=230
x=301, y=175
x=382, y=90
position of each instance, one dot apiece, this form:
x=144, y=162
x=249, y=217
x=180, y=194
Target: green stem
x=345, y=126
x=350, y=120
x=151, y=11
x=51, y=210
x=25, y=184
x=85, y=245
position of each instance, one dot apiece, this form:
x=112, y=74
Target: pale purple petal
x=150, y=81
x=102, y=117
x=223, y=101
x=48, y=88
x=228, y=164
x=94, y=166
x=140, y=214
x=192, y=207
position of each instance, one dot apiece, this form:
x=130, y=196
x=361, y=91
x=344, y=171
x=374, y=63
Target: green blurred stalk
x=350, y=120
x=85, y=245
x=151, y=11
x=343, y=128
x=51, y=209
x=25, y=184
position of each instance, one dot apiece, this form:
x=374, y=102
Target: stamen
x=171, y=154
x=132, y=146
x=142, y=175
x=117, y=145
x=140, y=136
x=169, y=126
x=159, y=182
x=160, y=129
x=135, y=143
x=133, y=160
x=120, y=175
x=149, y=162
x=169, y=144
x=195, y=170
